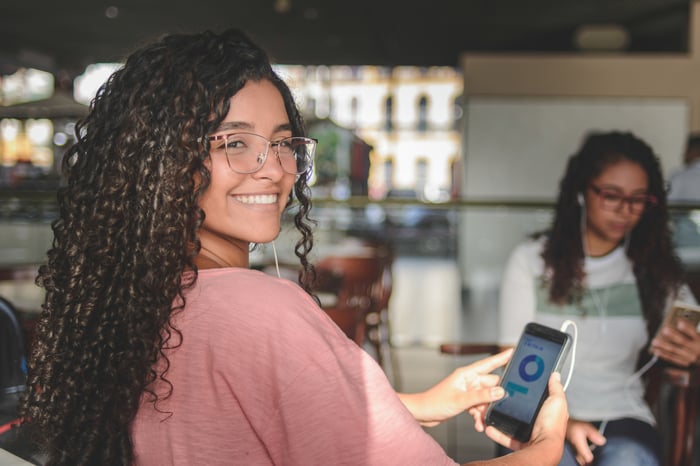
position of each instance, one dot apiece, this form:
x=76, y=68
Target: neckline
x=613, y=253
x=214, y=257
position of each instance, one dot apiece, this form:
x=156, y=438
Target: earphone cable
x=569, y=323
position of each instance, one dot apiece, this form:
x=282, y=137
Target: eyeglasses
x=247, y=152
x=613, y=200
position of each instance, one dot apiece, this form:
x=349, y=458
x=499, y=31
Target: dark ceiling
x=65, y=36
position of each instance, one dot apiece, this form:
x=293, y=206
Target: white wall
x=518, y=147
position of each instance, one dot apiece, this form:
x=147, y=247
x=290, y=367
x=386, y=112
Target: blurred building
x=411, y=117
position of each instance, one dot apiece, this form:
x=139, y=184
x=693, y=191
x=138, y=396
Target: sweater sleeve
x=313, y=396
x=517, y=302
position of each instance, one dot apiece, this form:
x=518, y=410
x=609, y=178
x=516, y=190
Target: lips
x=620, y=228
x=263, y=199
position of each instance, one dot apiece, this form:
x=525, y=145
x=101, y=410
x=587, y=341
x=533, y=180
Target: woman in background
x=159, y=345
x=608, y=265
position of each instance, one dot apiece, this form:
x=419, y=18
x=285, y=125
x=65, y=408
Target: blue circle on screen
x=525, y=364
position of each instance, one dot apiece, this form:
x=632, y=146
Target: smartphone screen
x=540, y=351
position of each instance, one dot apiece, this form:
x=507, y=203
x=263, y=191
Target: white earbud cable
x=277, y=266
x=564, y=325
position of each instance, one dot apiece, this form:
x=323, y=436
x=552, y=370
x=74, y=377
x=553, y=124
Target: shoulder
x=686, y=174
x=245, y=286
x=256, y=308
x=529, y=252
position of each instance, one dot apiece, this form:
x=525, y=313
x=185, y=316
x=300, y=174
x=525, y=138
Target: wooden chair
x=683, y=401
x=684, y=387
x=378, y=323
x=361, y=286
x=355, y=294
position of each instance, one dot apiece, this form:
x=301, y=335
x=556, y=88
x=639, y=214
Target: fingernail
x=497, y=392
x=557, y=376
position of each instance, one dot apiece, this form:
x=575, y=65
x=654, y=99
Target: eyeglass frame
x=270, y=143
x=649, y=200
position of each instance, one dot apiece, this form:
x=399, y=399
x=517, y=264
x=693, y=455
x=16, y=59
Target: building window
x=311, y=107
x=354, y=112
x=423, y=114
x=389, y=174
x=388, y=113
x=421, y=176
x=458, y=113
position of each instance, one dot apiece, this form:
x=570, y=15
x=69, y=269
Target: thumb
x=486, y=395
x=596, y=438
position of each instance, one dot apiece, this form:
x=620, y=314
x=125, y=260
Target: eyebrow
x=232, y=125
x=620, y=190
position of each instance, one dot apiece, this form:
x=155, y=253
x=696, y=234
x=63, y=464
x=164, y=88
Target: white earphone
x=581, y=199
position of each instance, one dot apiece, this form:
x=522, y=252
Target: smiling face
x=245, y=208
x=605, y=227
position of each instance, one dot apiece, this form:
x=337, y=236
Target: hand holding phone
x=540, y=351
x=546, y=444
x=682, y=310
x=674, y=345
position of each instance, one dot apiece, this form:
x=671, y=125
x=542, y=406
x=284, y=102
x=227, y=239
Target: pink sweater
x=263, y=376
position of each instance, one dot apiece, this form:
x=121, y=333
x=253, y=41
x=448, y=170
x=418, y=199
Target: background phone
x=684, y=310
x=540, y=351
x=680, y=309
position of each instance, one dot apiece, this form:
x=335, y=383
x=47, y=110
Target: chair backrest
x=357, y=279
x=679, y=422
x=13, y=360
x=360, y=277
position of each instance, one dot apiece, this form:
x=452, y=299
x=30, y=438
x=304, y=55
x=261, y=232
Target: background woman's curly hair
x=126, y=232
x=657, y=269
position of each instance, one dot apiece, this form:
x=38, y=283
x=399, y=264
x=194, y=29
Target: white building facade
x=410, y=116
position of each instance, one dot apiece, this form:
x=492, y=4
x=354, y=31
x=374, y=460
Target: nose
x=272, y=170
x=630, y=207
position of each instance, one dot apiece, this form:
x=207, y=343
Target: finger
x=596, y=438
x=492, y=363
x=555, y=386
x=584, y=455
x=673, y=358
x=478, y=417
x=687, y=327
x=474, y=382
x=677, y=354
x=483, y=396
x=682, y=355
x=501, y=438
x=674, y=335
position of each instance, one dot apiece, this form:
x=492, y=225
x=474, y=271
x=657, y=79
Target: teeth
x=258, y=199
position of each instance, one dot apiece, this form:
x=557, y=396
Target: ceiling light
x=601, y=37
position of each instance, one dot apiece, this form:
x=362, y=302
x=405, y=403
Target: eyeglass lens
x=613, y=201
x=247, y=152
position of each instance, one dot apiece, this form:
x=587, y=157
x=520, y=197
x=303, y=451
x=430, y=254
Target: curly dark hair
x=657, y=269
x=127, y=230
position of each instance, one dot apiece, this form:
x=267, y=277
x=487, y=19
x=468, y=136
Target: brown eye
x=610, y=196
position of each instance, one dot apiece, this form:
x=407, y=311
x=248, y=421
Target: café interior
x=413, y=281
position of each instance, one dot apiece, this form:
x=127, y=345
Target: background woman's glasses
x=613, y=200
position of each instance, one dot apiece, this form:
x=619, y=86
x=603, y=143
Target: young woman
x=158, y=345
x=606, y=264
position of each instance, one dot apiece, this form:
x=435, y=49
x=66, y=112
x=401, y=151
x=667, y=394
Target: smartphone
x=540, y=351
x=678, y=310
x=684, y=310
